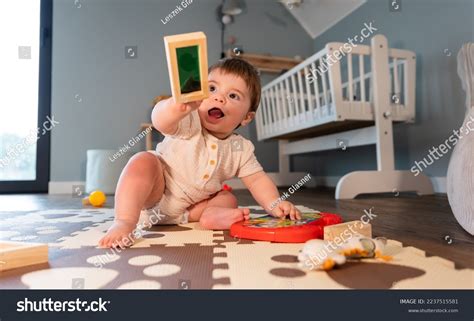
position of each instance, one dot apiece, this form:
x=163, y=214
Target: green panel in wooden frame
x=187, y=66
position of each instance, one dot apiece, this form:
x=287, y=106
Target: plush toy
x=316, y=254
x=364, y=248
x=319, y=254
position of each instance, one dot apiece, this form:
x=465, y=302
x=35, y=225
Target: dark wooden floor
x=423, y=222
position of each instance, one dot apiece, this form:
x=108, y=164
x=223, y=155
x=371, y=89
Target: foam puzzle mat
x=189, y=257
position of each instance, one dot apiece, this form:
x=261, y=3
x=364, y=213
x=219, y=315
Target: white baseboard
x=439, y=183
x=63, y=187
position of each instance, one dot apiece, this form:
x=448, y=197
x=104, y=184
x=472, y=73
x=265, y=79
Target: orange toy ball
x=97, y=198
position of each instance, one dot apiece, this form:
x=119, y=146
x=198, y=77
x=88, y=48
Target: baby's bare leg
x=141, y=185
x=219, y=212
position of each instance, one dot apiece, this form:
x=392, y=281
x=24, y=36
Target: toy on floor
x=269, y=228
x=320, y=254
x=353, y=227
x=187, y=66
x=316, y=254
x=18, y=254
x=96, y=199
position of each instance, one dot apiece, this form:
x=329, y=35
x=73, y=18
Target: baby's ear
x=248, y=118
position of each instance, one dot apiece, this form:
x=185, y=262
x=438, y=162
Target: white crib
x=351, y=101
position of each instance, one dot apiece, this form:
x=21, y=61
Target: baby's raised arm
x=167, y=114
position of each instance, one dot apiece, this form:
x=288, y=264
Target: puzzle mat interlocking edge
x=188, y=257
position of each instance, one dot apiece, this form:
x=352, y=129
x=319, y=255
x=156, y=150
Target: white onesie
x=195, y=164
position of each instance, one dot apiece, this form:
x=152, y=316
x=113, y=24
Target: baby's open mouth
x=215, y=113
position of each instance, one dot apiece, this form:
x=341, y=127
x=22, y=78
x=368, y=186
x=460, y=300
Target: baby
x=183, y=182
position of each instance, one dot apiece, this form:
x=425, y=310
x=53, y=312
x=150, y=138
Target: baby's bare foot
x=119, y=235
x=221, y=218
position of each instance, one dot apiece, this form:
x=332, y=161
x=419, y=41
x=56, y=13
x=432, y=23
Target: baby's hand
x=286, y=208
x=168, y=113
x=187, y=107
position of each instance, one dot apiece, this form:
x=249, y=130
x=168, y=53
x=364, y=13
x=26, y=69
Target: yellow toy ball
x=97, y=198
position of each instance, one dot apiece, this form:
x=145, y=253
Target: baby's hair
x=247, y=72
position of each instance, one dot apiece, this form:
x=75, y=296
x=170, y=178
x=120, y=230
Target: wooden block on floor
x=19, y=254
x=345, y=230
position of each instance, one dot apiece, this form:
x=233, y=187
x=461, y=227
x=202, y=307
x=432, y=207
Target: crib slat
x=277, y=107
x=308, y=92
x=289, y=100
x=316, y=89
x=295, y=99
x=265, y=113
x=401, y=78
x=302, y=103
x=325, y=92
x=395, y=80
x=271, y=98
x=409, y=80
x=349, y=75
x=262, y=114
x=271, y=117
x=259, y=120
x=281, y=106
x=273, y=109
x=362, y=78
x=284, y=102
x=370, y=89
x=269, y=109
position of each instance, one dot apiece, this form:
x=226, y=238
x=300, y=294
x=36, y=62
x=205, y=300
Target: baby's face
x=227, y=105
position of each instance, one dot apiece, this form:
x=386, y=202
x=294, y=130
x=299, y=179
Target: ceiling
x=317, y=16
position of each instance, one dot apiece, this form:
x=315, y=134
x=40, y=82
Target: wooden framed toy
x=187, y=66
x=19, y=254
x=357, y=227
x=269, y=228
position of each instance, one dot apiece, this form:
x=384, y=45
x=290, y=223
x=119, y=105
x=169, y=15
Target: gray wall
x=88, y=60
x=427, y=28
x=100, y=98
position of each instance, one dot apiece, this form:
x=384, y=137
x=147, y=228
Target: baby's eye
x=234, y=96
x=212, y=88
